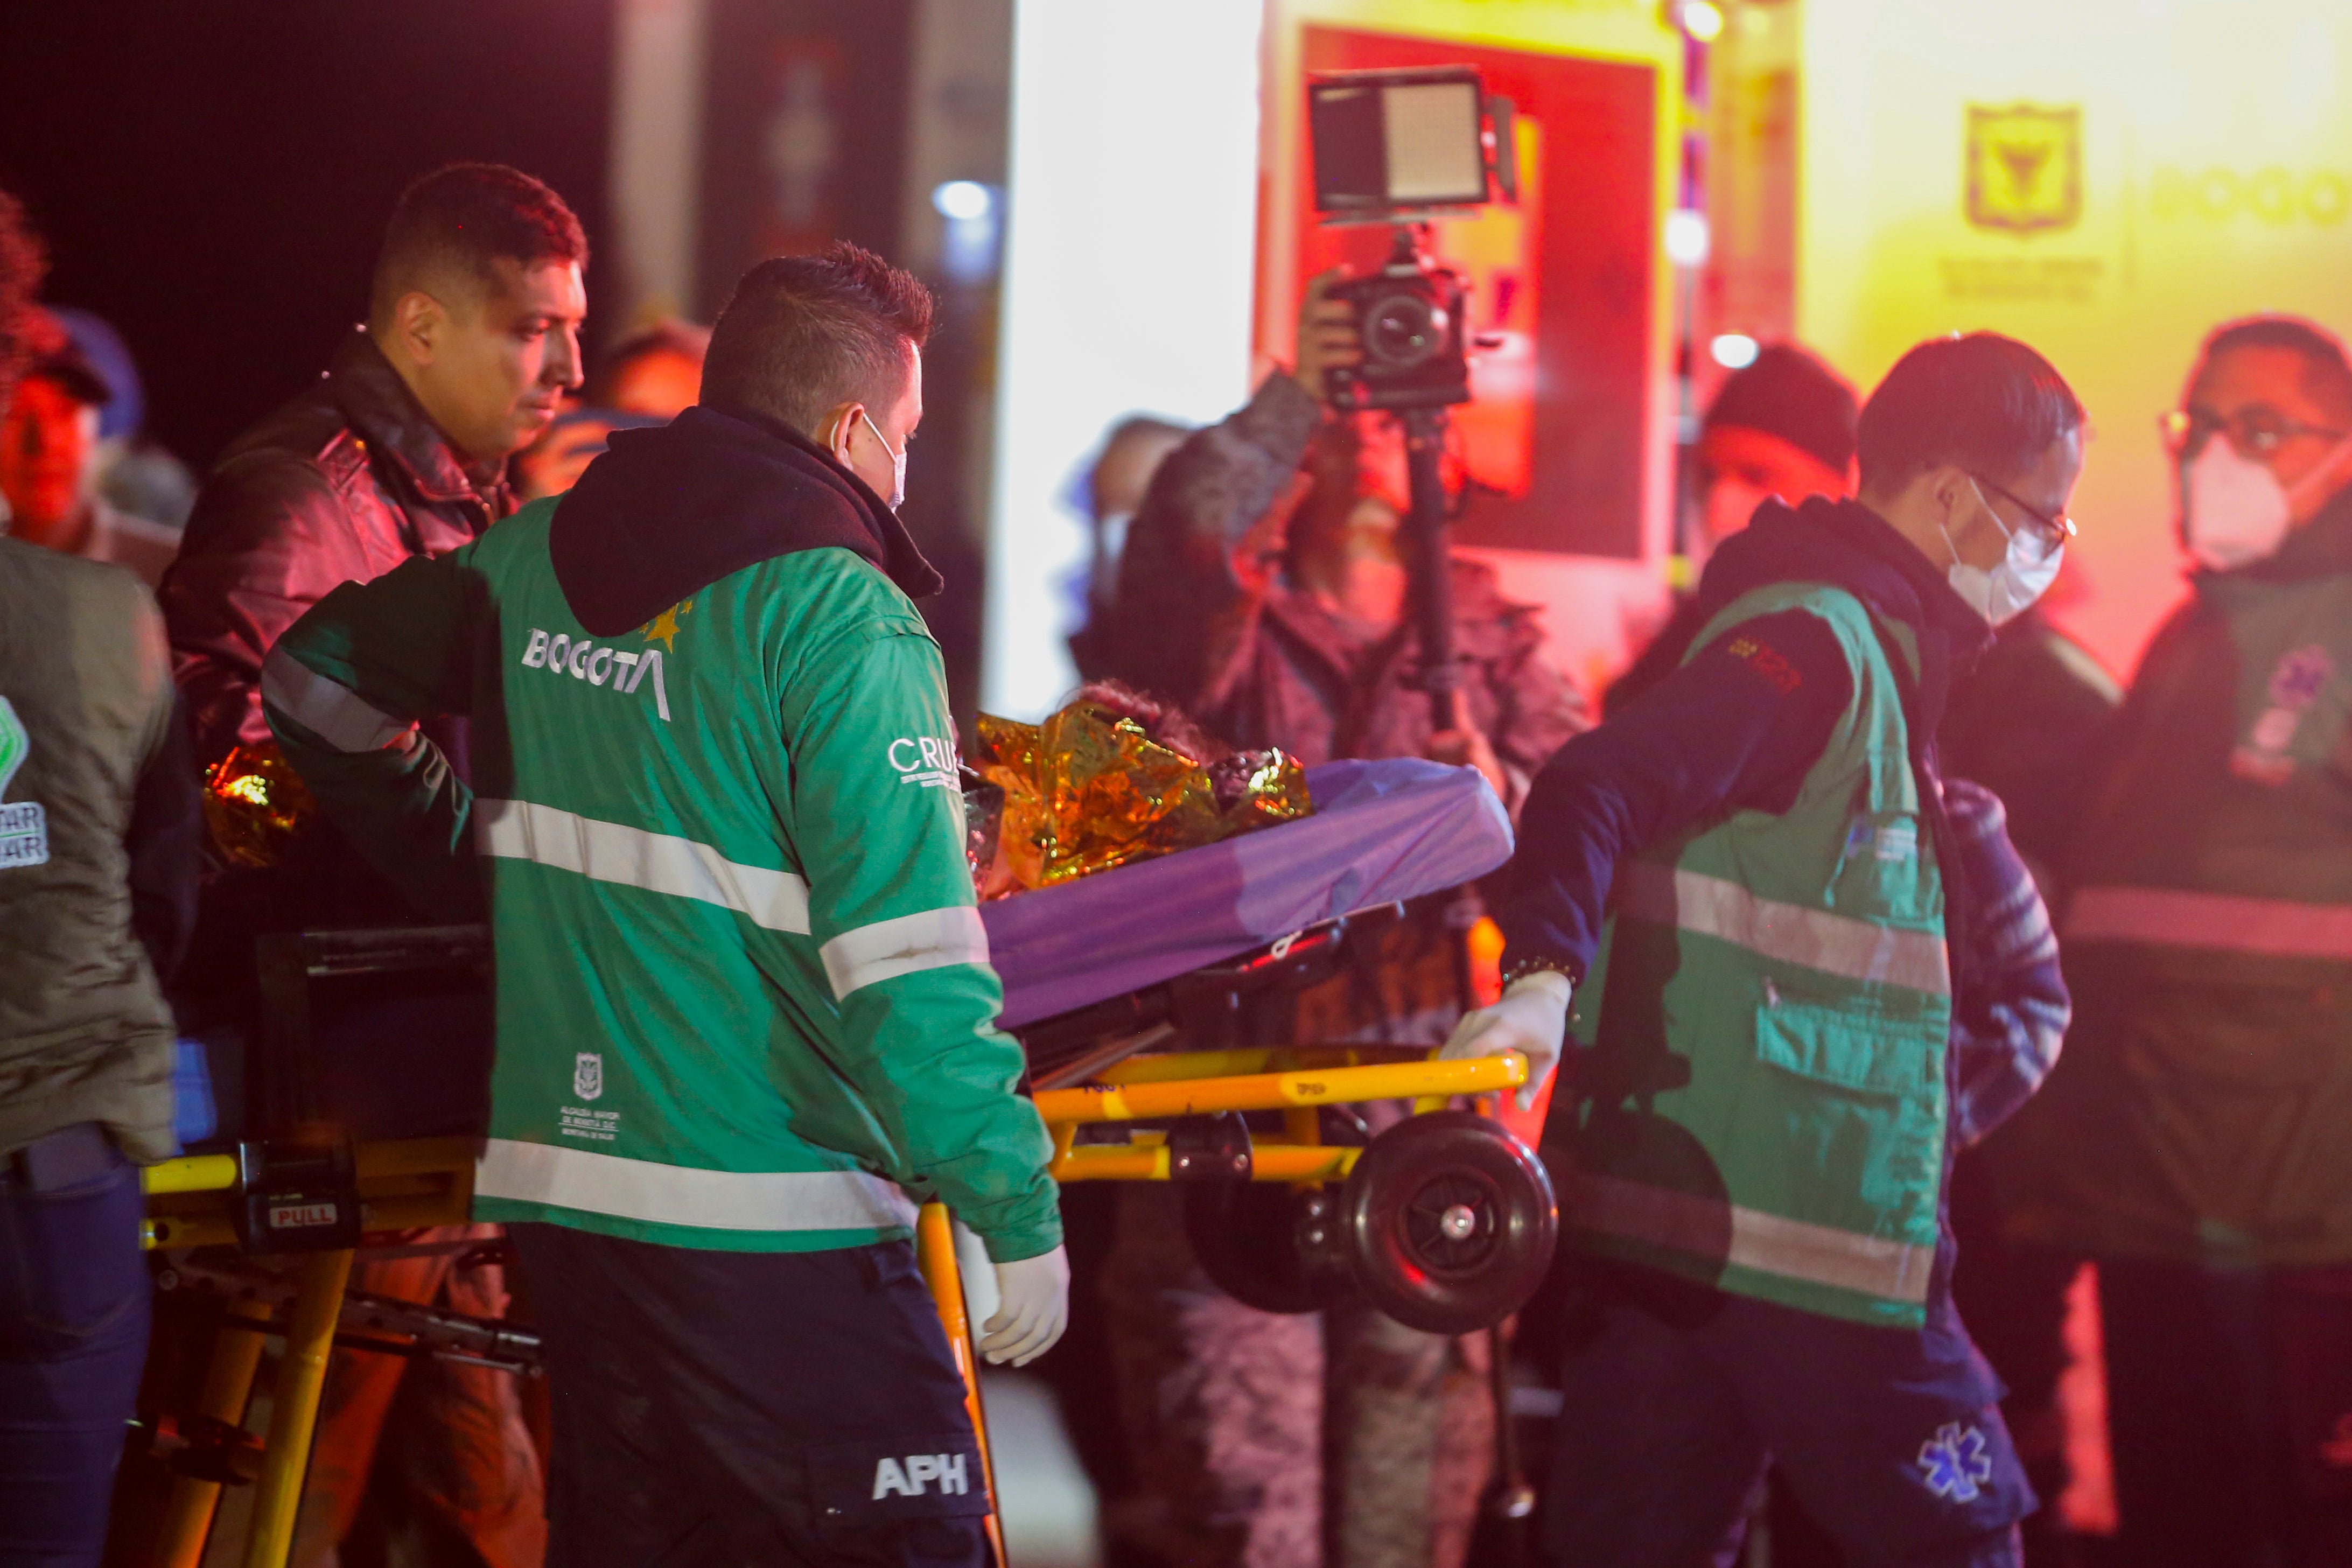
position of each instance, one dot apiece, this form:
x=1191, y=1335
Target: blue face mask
x=897, y=463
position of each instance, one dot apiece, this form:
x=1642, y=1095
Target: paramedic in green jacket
x=1744, y=896
x=746, y=1017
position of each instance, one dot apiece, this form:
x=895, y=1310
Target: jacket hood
x=1849, y=546
x=664, y=512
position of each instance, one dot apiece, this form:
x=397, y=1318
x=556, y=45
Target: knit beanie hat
x=1788, y=393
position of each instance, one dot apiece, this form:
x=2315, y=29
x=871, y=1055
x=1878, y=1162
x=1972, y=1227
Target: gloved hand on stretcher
x=1032, y=1309
x=1531, y=1019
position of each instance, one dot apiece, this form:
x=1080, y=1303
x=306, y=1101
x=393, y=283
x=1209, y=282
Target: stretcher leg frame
x=228, y=1384
x=294, y=1411
x=935, y=1250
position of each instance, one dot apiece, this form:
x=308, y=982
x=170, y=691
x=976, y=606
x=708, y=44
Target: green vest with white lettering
x=1765, y=1097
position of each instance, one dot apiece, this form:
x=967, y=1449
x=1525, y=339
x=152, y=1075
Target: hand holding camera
x=1327, y=339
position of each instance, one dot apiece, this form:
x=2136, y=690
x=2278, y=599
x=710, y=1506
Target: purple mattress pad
x=1382, y=831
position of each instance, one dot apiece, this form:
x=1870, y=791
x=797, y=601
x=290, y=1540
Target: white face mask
x=897, y=463
x=2024, y=575
x=2234, y=510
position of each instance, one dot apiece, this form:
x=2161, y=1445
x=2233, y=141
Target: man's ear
x=834, y=433
x=419, y=323
x=1952, y=493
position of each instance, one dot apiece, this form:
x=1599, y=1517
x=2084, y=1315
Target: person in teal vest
x=746, y=1017
x=1745, y=897
x=2196, y=1141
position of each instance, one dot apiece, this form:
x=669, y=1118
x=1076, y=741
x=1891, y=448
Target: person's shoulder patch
x=1766, y=661
x=24, y=825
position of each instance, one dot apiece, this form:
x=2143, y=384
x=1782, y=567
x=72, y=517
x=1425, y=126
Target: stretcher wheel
x=1448, y=1222
x=1247, y=1237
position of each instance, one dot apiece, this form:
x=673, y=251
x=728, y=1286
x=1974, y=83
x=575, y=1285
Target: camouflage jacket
x=1273, y=666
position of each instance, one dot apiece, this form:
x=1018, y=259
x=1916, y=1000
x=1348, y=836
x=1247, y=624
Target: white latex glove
x=1531, y=1019
x=1032, y=1309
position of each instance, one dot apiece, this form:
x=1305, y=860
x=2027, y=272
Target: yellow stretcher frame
x=415, y=1184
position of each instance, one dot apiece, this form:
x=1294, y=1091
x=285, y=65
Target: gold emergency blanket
x=1090, y=788
x=255, y=803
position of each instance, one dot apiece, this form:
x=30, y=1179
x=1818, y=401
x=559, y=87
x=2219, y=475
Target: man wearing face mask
x=1780, y=427
x=1749, y=885
x=2194, y=1141
x=745, y=1005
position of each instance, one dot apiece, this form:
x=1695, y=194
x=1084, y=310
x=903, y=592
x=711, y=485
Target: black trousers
x=1676, y=1397
x=714, y=1409
x=2230, y=1414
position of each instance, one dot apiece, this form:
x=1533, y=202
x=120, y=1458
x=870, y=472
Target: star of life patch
x=1956, y=1462
x=2264, y=757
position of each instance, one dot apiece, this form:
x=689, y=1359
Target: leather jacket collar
x=388, y=417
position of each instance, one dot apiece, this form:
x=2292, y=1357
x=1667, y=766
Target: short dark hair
x=2326, y=374
x=1785, y=392
x=23, y=260
x=461, y=219
x=1979, y=402
x=805, y=335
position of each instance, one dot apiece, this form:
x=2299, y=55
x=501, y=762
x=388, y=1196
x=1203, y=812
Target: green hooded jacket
x=744, y=993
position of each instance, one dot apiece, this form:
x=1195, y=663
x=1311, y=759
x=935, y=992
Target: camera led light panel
x=1431, y=133
x=1393, y=141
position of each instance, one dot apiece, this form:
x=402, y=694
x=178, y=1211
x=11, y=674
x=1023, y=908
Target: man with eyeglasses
x=1786, y=946
x=2197, y=1143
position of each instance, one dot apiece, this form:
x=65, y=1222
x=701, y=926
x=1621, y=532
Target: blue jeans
x=73, y=1340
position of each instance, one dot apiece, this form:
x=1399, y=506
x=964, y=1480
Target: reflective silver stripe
x=2222, y=923
x=930, y=940
x=681, y=1195
x=657, y=862
x=1793, y=1249
x=1836, y=944
x=327, y=709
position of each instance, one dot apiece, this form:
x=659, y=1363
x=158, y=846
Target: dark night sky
x=212, y=175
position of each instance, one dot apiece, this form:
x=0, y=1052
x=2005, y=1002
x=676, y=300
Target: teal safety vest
x=1769, y=1016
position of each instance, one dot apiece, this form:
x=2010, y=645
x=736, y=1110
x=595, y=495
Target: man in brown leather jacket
x=400, y=450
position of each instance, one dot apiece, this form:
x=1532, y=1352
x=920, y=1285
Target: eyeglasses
x=2054, y=531
x=2256, y=431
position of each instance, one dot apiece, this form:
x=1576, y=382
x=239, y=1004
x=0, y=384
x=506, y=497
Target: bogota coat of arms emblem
x=2024, y=167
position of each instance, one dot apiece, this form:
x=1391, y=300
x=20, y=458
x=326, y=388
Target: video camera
x=1404, y=147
